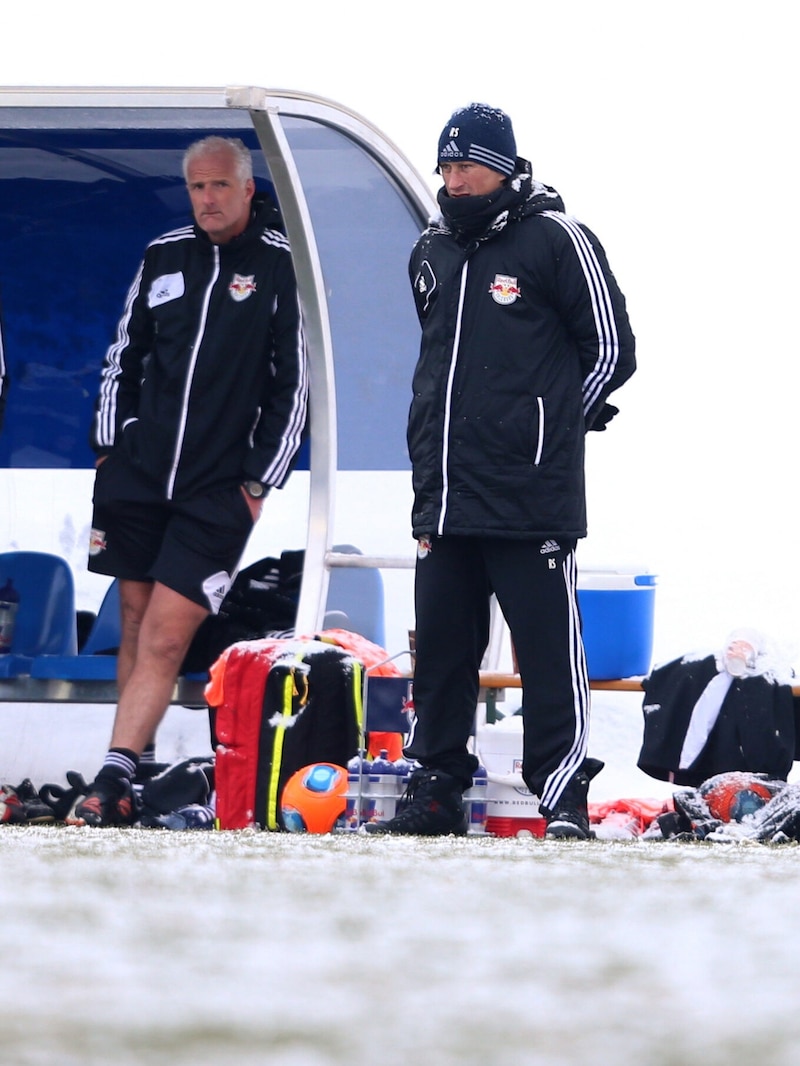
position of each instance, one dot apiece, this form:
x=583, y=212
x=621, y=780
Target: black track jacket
x=524, y=335
x=206, y=383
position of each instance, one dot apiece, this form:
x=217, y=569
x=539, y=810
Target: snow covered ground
x=140, y=947
x=144, y=947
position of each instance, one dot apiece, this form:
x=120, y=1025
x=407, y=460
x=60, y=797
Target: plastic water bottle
x=476, y=797
x=382, y=789
x=357, y=770
x=9, y=605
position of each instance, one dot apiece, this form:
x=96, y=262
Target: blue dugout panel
x=87, y=177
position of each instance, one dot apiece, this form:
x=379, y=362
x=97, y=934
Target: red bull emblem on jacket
x=242, y=286
x=504, y=289
x=97, y=541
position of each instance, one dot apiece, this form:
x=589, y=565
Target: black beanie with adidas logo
x=481, y=134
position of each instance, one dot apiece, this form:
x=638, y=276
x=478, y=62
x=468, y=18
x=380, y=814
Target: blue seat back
x=357, y=593
x=105, y=634
x=97, y=660
x=45, y=623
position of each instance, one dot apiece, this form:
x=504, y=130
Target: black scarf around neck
x=472, y=217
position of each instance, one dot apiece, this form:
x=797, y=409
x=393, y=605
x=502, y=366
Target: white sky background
x=668, y=130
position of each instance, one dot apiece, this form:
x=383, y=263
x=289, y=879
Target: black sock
x=117, y=770
x=149, y=753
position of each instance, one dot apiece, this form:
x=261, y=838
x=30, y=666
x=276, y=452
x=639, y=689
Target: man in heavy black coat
x=524, y=336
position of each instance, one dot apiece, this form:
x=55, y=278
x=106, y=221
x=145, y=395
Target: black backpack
x=261, y=601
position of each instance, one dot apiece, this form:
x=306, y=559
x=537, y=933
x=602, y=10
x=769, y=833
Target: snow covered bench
x=494, y=683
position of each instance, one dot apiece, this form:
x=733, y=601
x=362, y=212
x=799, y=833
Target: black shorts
x=191, y=546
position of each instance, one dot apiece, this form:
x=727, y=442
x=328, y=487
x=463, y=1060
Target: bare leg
x=161, y=636
x=134, y=596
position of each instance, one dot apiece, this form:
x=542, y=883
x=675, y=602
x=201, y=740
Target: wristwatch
x=254, y=489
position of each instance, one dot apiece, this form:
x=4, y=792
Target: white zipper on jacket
x=449, y=398
x=190, y=375
x=540, y=439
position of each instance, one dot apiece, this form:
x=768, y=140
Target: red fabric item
x=372, y=656
x=641, y=810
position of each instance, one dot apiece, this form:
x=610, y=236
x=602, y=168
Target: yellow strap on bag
x=295, y=697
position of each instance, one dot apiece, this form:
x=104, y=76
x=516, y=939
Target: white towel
x=704, y=715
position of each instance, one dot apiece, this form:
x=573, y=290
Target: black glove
x=604, y=416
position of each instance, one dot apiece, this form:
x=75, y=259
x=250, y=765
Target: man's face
x=469, y=179
x=220, y=199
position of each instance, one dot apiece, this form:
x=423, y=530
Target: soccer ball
x=732, y=796
x=314, y=797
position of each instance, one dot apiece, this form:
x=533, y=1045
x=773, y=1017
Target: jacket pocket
x=538, y=442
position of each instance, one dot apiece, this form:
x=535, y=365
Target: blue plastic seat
x=45, y=623
x=355, y=599
x=97, y=659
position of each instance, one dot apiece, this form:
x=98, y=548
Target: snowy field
x=139, y=947
x=147, y=947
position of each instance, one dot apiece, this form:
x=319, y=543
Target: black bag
x=307, y=710
x=261, y=601
x=755, y=730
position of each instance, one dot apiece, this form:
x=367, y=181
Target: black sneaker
x=103, y=808
x=430, y=807
x=21, y=805
x=570, y=819
x=12, y=811
x=36, y=811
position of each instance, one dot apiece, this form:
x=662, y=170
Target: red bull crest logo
x=97, y=541
x=424, y=546
x=242, y=286
x=504, y=289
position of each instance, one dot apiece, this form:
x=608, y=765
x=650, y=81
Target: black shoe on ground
x=431, y=806
x=62, y=801
x=104, y=807
x=11, y=810
x=36, y=811
x=21, y=805
x=570, y=819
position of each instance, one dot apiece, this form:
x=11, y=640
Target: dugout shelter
x=89, y=175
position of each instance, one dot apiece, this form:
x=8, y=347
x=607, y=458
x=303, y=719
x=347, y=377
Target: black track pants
x=535, y=584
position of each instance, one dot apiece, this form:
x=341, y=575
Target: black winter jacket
x=524, y=335
x=206, y=383
x=755, y=730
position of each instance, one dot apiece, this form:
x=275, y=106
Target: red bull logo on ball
x=504, y=289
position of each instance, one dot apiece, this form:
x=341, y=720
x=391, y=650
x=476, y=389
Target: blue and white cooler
x=618, y=607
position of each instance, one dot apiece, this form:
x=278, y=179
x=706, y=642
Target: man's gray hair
x=209, y=145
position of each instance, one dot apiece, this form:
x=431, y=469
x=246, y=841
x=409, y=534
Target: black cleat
x=103, y=808
x=431, y=806
x=570, y=819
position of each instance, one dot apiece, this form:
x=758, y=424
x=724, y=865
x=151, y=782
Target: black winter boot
x=570, y=819
x=432, y=806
